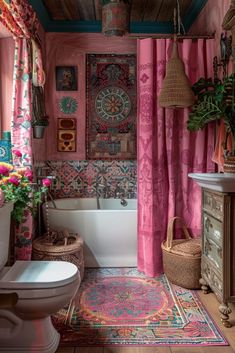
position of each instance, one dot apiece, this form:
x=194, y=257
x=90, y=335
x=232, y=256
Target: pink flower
x=17, y=153
x=29, y=174
x=46, y=182
x=4, y=170
x=14, y=180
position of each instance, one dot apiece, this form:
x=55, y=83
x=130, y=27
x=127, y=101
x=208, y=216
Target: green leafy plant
x=43, y=121
x=17, y=186
x=40, y=118
x=214, y=101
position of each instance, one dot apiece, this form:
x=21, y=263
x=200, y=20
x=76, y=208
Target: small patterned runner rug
x=121, y=306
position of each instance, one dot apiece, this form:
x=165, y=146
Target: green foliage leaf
x=215, y=100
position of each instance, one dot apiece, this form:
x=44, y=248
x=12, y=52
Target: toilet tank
x=5, y=222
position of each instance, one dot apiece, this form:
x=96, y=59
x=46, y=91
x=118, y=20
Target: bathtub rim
x=50, y=206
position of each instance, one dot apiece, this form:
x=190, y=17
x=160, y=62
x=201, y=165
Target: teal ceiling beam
x=74, y=26
x=151, y=27
x=96, y=27
x=50, y=25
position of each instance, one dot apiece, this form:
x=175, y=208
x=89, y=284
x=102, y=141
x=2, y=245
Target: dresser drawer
x=213, y=252
x=212, y=228
x=213, y=204
x=213, y=279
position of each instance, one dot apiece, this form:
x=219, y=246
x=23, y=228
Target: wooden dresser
x=218, y=240
x=218, y=248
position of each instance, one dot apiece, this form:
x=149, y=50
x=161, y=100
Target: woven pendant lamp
x=176, y=90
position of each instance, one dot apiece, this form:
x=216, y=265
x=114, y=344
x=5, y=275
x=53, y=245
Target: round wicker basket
x=72, y=251
x=229, y=164
x=182, y=258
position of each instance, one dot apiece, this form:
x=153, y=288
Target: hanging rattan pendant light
x=115, y=17
x=176, y=89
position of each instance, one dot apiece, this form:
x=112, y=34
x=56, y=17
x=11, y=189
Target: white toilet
x=30, y=291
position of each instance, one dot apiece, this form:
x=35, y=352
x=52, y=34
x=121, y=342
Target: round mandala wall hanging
x=68, y=105
x=113, y=105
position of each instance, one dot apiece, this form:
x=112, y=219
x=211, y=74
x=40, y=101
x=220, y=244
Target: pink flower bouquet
x=16, y=185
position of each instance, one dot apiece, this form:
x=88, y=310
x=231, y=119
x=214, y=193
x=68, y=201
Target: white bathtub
x=110, y=233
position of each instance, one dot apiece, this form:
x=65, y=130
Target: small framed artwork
x=66, y=78
x=67, y=135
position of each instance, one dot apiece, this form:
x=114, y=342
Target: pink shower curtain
x=167, y=151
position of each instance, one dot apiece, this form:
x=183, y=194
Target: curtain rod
x=169, y=36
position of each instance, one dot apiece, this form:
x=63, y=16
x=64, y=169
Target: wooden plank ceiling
x=90, y=10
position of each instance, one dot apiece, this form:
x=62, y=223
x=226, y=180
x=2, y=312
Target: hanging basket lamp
x=115, y=17
x=176, y=89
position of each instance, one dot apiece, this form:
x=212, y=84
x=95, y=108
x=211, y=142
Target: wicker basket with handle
x=69, y=249
x=182, y=257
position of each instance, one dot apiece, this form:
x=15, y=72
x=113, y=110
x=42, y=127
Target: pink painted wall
x=7, y=46
x=71, y=49
x=210, y=20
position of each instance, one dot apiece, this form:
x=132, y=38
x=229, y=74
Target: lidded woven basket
x=72, y=251
x=176, y=89
x=182, y=257
x=229, y=164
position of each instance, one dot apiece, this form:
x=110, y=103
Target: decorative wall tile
x=81, y=178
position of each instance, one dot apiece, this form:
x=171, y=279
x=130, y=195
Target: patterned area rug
x=120, y=306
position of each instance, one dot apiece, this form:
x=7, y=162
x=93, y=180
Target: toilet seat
x=39, y=275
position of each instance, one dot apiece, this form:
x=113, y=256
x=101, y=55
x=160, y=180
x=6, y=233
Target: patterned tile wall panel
x=83, y=178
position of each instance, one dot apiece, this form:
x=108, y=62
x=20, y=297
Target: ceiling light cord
x=179, y=22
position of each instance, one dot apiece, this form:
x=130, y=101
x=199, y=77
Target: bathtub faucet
x=120, y=193
x=98, y=186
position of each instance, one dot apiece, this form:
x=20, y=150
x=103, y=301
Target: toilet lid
x=39, y=274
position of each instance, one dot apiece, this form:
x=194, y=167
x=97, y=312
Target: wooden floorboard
x=137, y=350
x=89, y=350
x=211, y=349
x=211, y=304
x=65, y=350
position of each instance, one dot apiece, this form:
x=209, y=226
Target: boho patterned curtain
x=167, y=151
x=19, y=18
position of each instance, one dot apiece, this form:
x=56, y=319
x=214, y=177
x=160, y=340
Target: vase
x=38, y=131
x=23, y=233
x=229, y=165
x=5, y=222
x=2, y=198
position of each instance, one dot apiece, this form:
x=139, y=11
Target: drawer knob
x=208, y=224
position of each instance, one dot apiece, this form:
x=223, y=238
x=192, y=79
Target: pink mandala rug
x=123, y=307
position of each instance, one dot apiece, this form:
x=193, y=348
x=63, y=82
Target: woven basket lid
x=176, y=90
x=190, y=247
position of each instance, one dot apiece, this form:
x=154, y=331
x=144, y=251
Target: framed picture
x=66, y=78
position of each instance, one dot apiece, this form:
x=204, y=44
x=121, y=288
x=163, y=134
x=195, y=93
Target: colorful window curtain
x=20, y=19
x=167, y=151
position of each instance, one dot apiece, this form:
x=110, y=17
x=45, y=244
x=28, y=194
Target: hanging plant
x=39, y=114
x=214, y=101
x=40, y=119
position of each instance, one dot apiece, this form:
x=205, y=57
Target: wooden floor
x=211, y=304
